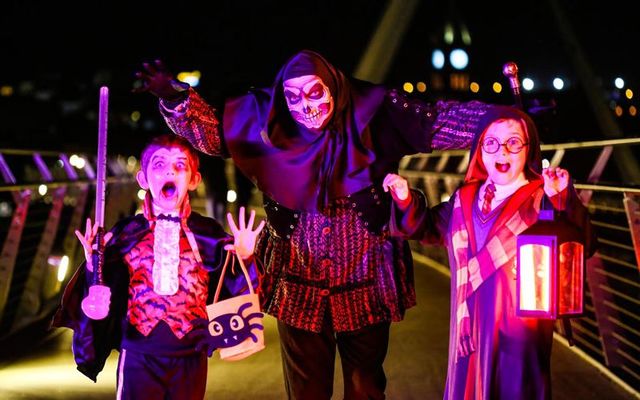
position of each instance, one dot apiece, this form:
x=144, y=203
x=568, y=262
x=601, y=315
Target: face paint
x=169, y=177
x=309, y=101
x=503, y=166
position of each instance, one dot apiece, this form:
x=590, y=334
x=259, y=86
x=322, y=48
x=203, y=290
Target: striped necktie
x=489, y=194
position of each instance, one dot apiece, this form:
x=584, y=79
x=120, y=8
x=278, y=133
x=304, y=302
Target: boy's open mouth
x=169, y=190
x=502, y=167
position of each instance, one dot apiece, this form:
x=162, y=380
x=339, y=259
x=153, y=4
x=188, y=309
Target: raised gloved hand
x=156, y=79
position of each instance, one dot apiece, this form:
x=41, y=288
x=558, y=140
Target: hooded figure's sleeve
x=419, y=222
x=421, y=127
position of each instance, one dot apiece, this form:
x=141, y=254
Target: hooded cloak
x=300, y=168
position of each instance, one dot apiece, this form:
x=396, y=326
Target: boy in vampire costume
x=162, y=267
x=318, y=146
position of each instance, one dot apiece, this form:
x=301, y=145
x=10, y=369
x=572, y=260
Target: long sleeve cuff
x=559, y=200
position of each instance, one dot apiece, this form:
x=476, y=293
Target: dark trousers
x=308, y=361
x=145, y=376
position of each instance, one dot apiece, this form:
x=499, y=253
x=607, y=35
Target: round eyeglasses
x=513, y=145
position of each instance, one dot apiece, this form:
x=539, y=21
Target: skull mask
x=309, y=100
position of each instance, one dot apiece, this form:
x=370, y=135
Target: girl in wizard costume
x=493, y=354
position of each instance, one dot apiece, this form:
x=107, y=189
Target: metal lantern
x=550, y=269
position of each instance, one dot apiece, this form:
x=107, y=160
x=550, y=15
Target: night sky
x=56, y=56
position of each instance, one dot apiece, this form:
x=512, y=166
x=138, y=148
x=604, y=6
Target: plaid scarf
x=473, y=266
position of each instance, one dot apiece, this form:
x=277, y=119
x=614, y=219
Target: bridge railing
x=609, y=333
x=44, y=198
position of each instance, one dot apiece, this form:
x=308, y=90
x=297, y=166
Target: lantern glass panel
x=535, y=277
x=571, y=277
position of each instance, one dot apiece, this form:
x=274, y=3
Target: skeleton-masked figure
x=318, y=146
x=309, y=101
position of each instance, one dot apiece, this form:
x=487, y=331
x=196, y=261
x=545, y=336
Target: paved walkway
x=416, y=363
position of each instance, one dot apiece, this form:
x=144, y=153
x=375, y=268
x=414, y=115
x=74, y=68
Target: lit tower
x=450, y=54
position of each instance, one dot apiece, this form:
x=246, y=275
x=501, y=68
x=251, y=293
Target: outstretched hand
x=555, y=180
x=243, y=234
x=87, y=240
x=156, y=79
x=398, y=187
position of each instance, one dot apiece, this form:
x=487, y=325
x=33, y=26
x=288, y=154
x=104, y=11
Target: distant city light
x=141, y=194
x=459, y=59
x=62, y=268
x=77, y=161
x=527, y=84
x=448, y=33
x=558, y=83
x=618, y=111
x=497, y=87
x=474, y=87
x=619, y=82
x=421, y=87
x=466, y=37
x=633, y=111
x=6, y=91
x=5, y=209
x=42, y=189
x=545, y=163
x=408, y=87
x=135, y=116
x=437, y=59
x=629, y=94
x=80, y=163
x=192, y=78
x=232, y=196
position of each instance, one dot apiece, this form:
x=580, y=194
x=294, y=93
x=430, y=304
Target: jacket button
x=326, y=263
x=326, y=230
x=324, y=292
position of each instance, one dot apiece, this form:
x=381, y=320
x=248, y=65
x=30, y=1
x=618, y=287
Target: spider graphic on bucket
x=227, y=330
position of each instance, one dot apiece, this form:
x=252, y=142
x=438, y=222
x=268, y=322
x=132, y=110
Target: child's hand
x=87, y=241
x=555, y=180
x=245, y=236
x=466, y=345
x=398, y=187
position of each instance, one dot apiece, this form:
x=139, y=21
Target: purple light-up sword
x=96, y=304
